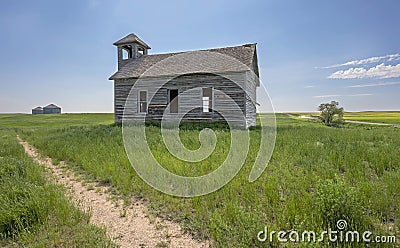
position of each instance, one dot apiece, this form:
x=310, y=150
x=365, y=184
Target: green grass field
x=34, y=212
x=51, y=121
x=317, y=175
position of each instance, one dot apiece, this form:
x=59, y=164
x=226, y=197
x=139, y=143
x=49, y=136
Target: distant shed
x=37, y=111
x=51, y=109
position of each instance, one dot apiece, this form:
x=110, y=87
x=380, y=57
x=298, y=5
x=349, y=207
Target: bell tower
x=129, y=48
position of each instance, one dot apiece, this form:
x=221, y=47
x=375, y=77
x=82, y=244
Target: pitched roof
x=218, y=60
x=129, y=39
x=38, y=108
x=51, y=106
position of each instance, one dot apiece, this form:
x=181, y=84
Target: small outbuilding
x=37, y=111
x=51, y=109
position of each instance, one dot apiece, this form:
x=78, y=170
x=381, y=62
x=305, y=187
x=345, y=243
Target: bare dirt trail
x=370, y=123
x=127, y=226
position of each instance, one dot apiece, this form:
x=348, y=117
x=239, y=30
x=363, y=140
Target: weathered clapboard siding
x=190, y=101
x=251, y=91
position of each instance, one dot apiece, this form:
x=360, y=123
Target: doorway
x=173, y=100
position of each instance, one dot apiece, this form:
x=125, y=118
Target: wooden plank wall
x=251, y=90
x=188, y=101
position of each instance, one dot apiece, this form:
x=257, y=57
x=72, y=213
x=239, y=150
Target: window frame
x=140, y=52
x=140, y=101
x=126, y=50
x=211, y=98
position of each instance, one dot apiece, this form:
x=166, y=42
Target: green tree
x=331, y=114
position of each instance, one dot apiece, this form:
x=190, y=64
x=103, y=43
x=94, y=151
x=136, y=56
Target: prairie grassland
x=34, y=212
x=53, y=120
x=317, y=175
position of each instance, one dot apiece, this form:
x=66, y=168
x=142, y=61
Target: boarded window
x=142, y=101
x=207, y=100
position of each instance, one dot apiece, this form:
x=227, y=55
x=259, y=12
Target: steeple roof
x=129, y=39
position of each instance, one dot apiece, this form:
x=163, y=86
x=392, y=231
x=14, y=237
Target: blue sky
x=309, y=51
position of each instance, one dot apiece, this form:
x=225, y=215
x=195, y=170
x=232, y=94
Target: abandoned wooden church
x=209, y=76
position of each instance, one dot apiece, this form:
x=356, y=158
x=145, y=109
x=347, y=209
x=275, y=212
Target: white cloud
x=373, y=84
x=386, y=58
x=326, y=96
x=330, y=96
x=309, y=86
x=356, y=95
x=379, y=71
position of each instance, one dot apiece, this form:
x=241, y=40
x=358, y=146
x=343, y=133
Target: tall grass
x=316, y=176
x=35, y=213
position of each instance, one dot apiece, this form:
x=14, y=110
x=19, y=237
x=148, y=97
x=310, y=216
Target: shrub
x=337, y=201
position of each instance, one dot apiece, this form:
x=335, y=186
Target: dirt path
x=290, y=115
x=127, y=226
x=369, y=123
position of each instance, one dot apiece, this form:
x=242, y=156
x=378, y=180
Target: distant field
x=317, y=175
x=390, y=117
x=56, y=120
x=381, y=117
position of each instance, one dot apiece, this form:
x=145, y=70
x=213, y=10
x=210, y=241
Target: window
x=142, y=101
x=126, y=52
x=207, y=100
x=140, y=52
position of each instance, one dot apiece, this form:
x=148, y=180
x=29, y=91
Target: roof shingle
x=218, y=60
x=51, y=106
